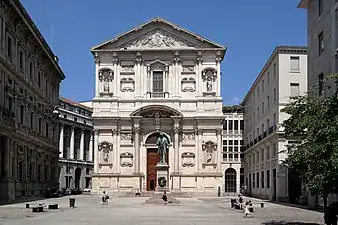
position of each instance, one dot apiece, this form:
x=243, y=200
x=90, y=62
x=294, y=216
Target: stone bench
x=53, y=206
x=37, y=209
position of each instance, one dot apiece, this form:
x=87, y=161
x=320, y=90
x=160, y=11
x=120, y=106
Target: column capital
x=199, y=131
x=176, y=130
x=136, y=119
x=96, y=132
x=137, y=130
x=176, y=119
x=219, y=131
x=115, y=131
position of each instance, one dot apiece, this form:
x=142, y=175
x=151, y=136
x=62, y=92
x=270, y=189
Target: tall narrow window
x=294, y=63
x=22, y=113
x=21, y=59
x=274, y=95
x=230, y=125
x=9, y=47
x=320, y=43
x=294, y=90
x=31, y=70
x=225, y=125
x=274, y=70
x=158, y=82
x=320, y=83
x=241, y=125
x=39, y=79
x=236, y=125
x=320, y=7
x=39, y=125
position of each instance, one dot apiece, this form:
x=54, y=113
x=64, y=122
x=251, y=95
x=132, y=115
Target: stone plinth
x=162, y=170
x=157, y=199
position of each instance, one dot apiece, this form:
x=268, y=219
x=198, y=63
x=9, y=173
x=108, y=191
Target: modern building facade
x=158, y=78
x=322, y=22
x=283, y=77
x=76, y=145
x=233, y=150
x=29, y=90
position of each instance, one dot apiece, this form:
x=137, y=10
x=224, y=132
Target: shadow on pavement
x=287, y=223
x=316, y=209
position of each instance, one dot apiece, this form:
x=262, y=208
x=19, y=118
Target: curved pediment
x=156, y=111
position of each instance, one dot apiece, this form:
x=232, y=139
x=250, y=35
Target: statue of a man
x=162, y=145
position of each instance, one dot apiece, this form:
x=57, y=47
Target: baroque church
x=157, y=78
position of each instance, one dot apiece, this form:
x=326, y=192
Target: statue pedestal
x=162, y=172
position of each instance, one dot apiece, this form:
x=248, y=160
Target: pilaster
x=96, y=151
x=61, y=141
x=176, y=130
x=81, y=145
x=137, y=144
x=90, y=153
x=71, y=145
x=219, y=149
x=198, y=142
x=97, y=83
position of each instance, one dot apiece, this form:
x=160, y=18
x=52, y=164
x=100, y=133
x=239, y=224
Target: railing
x=261, y=137
x=158, y=94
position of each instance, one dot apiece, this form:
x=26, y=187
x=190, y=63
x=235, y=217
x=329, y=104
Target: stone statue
x=162, y=145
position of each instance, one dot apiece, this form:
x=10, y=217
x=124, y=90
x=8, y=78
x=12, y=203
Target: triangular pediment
x=157, y=34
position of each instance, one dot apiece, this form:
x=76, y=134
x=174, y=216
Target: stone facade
x=29, y=91
x=322, y=22
x=76, y=145
x=157, y=78
x=232, y=152
x=284, y=76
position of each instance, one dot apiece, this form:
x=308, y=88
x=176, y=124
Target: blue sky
x=250, y=29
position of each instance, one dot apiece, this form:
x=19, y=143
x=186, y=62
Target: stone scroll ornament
x=162, y=182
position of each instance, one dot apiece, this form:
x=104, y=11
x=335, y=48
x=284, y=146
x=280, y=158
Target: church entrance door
x=152, y=159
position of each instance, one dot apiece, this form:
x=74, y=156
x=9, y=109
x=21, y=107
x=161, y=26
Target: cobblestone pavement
x=211, y=211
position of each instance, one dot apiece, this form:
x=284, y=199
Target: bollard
x=232, y=202
x=262, y=205
x=72, y=202
x=27, y=206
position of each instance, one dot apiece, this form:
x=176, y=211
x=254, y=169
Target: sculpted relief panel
x=188, y=84
x=209, y=148
x=105, y=149
x=188, y=159
x=126, y=159
x=158, y=39
x=127, y=85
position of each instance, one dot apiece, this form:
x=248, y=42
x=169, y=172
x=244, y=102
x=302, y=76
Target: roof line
x=156, y=19
x=277, y=50
x=76, y=104
x=37, y=34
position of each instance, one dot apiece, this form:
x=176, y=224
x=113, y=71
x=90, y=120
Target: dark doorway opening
x=295, y=186
x=230, y=180
x=274, y=185
x=77, y=177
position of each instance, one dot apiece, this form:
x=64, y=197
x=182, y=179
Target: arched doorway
x=230, y=180
x=77, y=177
x=152, y=159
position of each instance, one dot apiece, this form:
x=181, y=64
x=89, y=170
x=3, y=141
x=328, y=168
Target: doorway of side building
x=77, y=177
x=295, y=186
x=152, y=159
x=230, y=181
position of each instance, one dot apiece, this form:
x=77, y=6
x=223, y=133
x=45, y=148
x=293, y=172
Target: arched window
x=230, y=180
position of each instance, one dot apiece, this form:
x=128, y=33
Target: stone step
x=157, y=199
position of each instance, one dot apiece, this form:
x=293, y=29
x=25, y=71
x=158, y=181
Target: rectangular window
x=263, y=108
x=9, y=47
x=268, y=179
x=274, y=70
x=257, y=180
x=320, y=43
x=21, y=60
x=39, y=79
x=294, y=63
x=274, y=95
x=268, y=101
x=235, y=124
x=262, y=179
x=157, y=81
x=31, y=70
x=241, y=125
x=39, y=125
x=225, y=125
x=47, y=129
x=253, y=180
x=22, y=114
x=274, y=119
x=231, y=125
x=294, y=90
x=320, y=7
x=320, y=83
x=262, y=85
x=268, y=77
x=31, y=119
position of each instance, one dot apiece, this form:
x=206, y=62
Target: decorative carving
x=188, y=69
x=157, y=114
x=188, y=136
x=105, y=145
x=97, y=57
x=105, y=148
x=176, y=130
x=127, y=85
x=115, y=132
x=208, y=148
x=136, y=130
x=188, y=159
x=162, y=182
x=126, y=159
x=106, y=76
x=127, y=69
x=209, y=76
x=126, y=136
x=159, y=39
x=198, y=131
x=219, y=131
x=188, y=84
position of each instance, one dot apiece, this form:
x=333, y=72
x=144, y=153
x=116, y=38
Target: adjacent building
x=29, y=90
x=233, y=150
x=322, y=22
x=158, y=78
x=76, y=145
x=283, y=77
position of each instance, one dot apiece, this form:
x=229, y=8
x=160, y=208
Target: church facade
x=157, y=78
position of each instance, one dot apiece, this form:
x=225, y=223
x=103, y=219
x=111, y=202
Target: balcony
x=255, y=141
x=157, y=94
x=265, y=134
x=259, y=137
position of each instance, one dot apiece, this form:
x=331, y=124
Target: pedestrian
x=240, y=201
x=164, y=197
x=246, y=210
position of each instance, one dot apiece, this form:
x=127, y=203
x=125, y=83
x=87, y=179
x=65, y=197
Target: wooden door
x=152, y=159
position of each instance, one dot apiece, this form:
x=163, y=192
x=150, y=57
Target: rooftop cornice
x=303, y=4
x=297, y=50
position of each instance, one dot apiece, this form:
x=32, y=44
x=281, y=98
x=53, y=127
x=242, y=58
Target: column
x=116, y=154
x=198, y=78
x=137, y=130
x=219, y=149
x=218, y=79
x=8, y=159
x=118, y=77
x=118, y=151
x=90, y=153
x=96, y=151
x=97, y=82
x=71, y=146
x=115, y=77
x=82, y=145
x=61, y=142
x=149, y=79
x=198, y=149
x=176, y=144
x=111, y=85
